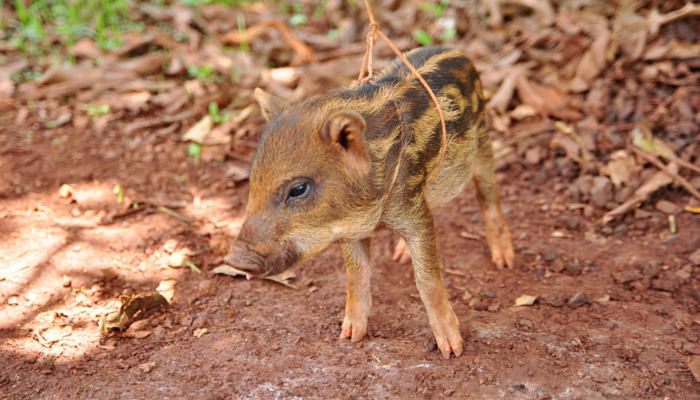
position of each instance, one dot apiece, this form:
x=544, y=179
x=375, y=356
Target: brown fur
x=347, y=146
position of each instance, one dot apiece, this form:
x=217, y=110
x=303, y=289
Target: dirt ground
x=628, y=333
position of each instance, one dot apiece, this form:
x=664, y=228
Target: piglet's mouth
x=249, y=270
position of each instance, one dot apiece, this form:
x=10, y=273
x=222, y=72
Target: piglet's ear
x=270, y=105
x=345, y=132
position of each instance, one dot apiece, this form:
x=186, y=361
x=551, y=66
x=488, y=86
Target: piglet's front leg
x=359, y=297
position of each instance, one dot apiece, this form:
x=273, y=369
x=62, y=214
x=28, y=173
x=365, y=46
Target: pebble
x=620, y=230
x=549, y=255
x=493, y=307
x=601, y=191
x=695, y=257
x=525, y=324
x=570, y=222
x=664, y=285
x=553, y=300
x=695, y=182
x=578, y=300
x=557, y=266
x=667, y=207
x=574, y=268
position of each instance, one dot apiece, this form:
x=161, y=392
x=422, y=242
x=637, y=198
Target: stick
x=654, y=160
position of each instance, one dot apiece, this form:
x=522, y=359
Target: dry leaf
x=47, y=337
x=282, y=278
x=166, y=288
x=656, y=182
x=547, y=100
x=138, y=334
x=645, y=140
x=199, y=131
x=131, y=307
x=593, y=60
x=621, y=168
x=199, y=332
x=525, y=300
x=694, y=367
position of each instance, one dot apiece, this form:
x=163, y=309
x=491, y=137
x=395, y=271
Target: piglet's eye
x=299, y=191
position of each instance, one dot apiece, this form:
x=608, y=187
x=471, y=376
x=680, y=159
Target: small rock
x=13, y=301
x=667, y=207
x=664, y=285
x=578, y=300
x=570, y=222
x=489, y=294
x=552, y=301
x=684, y=273
x=549, y=255
x=626, y=276
x=493, y=307
x=519, y=386
x=557, y=266
x=66, y=282
x=583, y=184
x=574, y=268
x=200, y=320
x=620, y=230
x=147, y=367
x=601, y=191
x=478, y=305
x=206, y=288
x=534, y=155
x=524, y=324
x=170, y=245
x=695, y=182
x=695, y=257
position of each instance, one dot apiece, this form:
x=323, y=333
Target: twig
x=304, y=51
x=367, y=68
x=654, y=160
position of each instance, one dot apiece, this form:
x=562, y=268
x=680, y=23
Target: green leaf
x=194, y=150
x=422, y=37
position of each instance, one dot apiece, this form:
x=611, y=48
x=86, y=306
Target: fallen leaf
x=547, y=100
x=656, y=182
x=199, y=131
x=177, y=259
x=645, y=140
x=525, y=300
x=147, y=366
x=131, y=307
x=620, y=168
x=282, y=278
x=593, y=60
x=138, y=334
x=694, y=367
x=166, y=288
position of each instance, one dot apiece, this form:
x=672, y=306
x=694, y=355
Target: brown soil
x=632, y=337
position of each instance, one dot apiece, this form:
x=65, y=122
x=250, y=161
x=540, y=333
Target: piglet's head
x=308, y=185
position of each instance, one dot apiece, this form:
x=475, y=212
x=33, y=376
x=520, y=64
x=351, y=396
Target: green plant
x=422, y=37
x=437, y=9
x=203, y=73
x=70, y=20
x=97, y=110
x=216, y=116
x=194, y=150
